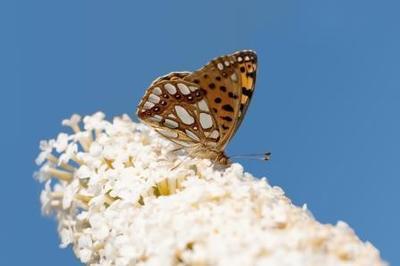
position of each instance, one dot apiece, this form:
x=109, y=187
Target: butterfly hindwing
x=178, y=110
x=172, y=76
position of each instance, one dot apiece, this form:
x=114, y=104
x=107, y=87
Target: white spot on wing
x=154, y=98
x=170, y=88
x=183, y=88
x=148, y=105
x=214, y=134
x=203, y=106
x=234, y=77
x=191, y=135
x=205, y=120
x=167, y=133
x=155, y=118
x=183, y=115
x=157, y=91
x=220, y=66
x=193, y=88
x=240, y=59
x=246, y=58
x=171, y=123
x=226, y=63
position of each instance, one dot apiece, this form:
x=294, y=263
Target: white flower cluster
x=123, y=197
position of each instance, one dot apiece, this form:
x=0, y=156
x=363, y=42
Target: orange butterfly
x=202, y=110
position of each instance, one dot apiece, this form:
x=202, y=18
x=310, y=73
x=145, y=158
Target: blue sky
x=327, y=101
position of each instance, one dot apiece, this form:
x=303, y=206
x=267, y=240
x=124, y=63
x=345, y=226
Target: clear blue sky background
x=327, y=103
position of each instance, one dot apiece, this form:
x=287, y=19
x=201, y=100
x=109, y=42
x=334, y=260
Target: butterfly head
x=223, y=159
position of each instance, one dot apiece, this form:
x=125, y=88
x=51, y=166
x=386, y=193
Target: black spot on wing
x=232, y=95
x=227, y=107
x=247, y=92
x=252, y=75
x=226, y=118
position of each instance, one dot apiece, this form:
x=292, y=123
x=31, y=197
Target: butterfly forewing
x=247, y=67
x=202, y=109
x=229, y=83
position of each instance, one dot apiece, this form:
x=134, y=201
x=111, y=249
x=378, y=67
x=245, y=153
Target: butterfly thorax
x=203, y=152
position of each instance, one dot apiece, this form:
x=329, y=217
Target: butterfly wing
x=172, y=76
x=205, y=107
x=178, y=110
x=228, y=82
x=247, y=65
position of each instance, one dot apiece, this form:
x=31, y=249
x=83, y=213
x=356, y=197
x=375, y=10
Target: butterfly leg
x=191, y=153
x=181, y=162
x=177, y=149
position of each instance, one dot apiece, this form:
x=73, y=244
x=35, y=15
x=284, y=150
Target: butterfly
x=201, y=110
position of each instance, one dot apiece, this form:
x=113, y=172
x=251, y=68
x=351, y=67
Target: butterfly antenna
x=257, y=156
